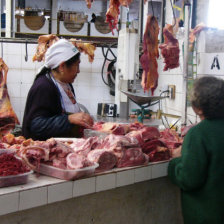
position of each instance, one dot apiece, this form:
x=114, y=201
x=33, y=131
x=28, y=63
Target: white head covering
x=59, y=52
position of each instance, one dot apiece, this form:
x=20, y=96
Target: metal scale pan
x=142, y=101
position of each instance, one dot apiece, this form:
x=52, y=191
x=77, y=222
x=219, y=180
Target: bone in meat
x=150, y=54
x=8, y=118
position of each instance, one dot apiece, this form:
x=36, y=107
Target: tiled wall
x=89, y=87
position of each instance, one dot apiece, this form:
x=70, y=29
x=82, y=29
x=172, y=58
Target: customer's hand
x=82, y=119
x=176, y=152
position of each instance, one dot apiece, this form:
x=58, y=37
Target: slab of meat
x=8, y=118
x=170, y=48
x=111, y=128
x=150, y=54
x=106, y=160
x=159, y=154
x=114, y=11
x=133, y=157
x=44, y=42
x=89, y=3
x=152, y=145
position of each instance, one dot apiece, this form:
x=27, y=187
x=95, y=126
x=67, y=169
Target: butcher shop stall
x=139, y=60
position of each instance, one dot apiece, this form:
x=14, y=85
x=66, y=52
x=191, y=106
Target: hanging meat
x=44, y=42
x=150, y=54
x=114, y=11
x=89, y=3
x=170, y=48
x=86, y=48
x=8, y=118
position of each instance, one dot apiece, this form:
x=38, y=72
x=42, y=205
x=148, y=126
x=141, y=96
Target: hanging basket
x=101, y=26
x=34, y=22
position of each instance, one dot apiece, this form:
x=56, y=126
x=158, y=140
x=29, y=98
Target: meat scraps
x=114, y=11
x=170, y=48
x=8, y=118
x=150, y=54
x=89, y=3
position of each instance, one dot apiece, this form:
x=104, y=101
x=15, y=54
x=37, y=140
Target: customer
x=51, y=107
x=199, y=168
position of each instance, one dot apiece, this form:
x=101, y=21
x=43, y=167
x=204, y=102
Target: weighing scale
x=143, y=102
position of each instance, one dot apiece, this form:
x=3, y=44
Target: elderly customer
x=51, y=107
x=199, y=168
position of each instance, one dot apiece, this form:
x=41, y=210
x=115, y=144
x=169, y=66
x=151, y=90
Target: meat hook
x=2, y=48
x=152, y=8
x=26, y=56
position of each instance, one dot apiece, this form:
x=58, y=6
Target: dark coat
x=43, y=116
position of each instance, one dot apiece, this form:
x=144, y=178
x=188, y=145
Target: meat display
x=8, y=118
x=10, y=165
x=114, y=11
x=170, y=48
x=89, y=3
x=150, y=54
x=45, y=41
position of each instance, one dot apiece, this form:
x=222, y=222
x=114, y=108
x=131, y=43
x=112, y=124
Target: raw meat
x=75, y=161
x=8, y=118
x=170, y=48
x=152, y=145
x=195, y=32
x=160, y=154
x=133, y=157
x=114, y=11
x=89, y=3
x=170, y=138
x=44, y=42
x=150, y=54
x=86, y=48
x=106, y=160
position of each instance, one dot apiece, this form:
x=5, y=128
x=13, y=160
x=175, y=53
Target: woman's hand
x=176, y=152
x=82, y=119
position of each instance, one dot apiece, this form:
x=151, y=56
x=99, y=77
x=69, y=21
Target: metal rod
x=140, y=22
x=185, y=62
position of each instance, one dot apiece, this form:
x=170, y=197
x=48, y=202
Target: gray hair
x=208, y=96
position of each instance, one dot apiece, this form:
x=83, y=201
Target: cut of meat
x=133, y=157
x=160, y=154
x=106, y=160
x=114, y=11
x=89, y=3
x=8, y=118
x=150, y=54
x=75, y=161
x=170, y=49
x=152, y=145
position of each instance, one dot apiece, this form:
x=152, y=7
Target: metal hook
x=173, y=14
x=26, y=56
x=152, y=9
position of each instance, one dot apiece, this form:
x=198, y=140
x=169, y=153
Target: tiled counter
x=42, y=190
x=19, y=204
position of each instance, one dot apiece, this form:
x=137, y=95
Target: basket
x=101, y=26
x=34, y=22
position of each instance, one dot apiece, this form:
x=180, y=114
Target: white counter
x=42, y=190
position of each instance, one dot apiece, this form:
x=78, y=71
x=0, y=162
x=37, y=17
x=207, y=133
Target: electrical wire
x=173, y=13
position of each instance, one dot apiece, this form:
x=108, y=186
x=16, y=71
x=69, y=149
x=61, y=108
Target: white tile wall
x=84, y=186
x=143, y=174
x=60, y=192
x=125, y=178
x=159, y=170
x=9, y=203
x=105, y=182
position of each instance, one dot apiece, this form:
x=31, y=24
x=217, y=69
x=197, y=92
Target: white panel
x=205, y=61
x=105, y=182
x=9, y=203
x=125, y=178
x=83, y=31
x=60, y=192
x=25, y=29
x=95, y=33
x=159, y=170
x=143, y=174
x=84, y=186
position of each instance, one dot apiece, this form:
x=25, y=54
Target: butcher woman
x=51, y=107
x=198, y=168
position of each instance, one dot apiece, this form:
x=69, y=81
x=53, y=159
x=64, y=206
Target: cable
x=173, y=13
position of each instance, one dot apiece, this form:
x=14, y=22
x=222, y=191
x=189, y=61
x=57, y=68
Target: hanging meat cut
x=114, y=11
x=44, y=42
x=170, y=48
x=89, y=3
x=8, y=118
x=150, y=54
